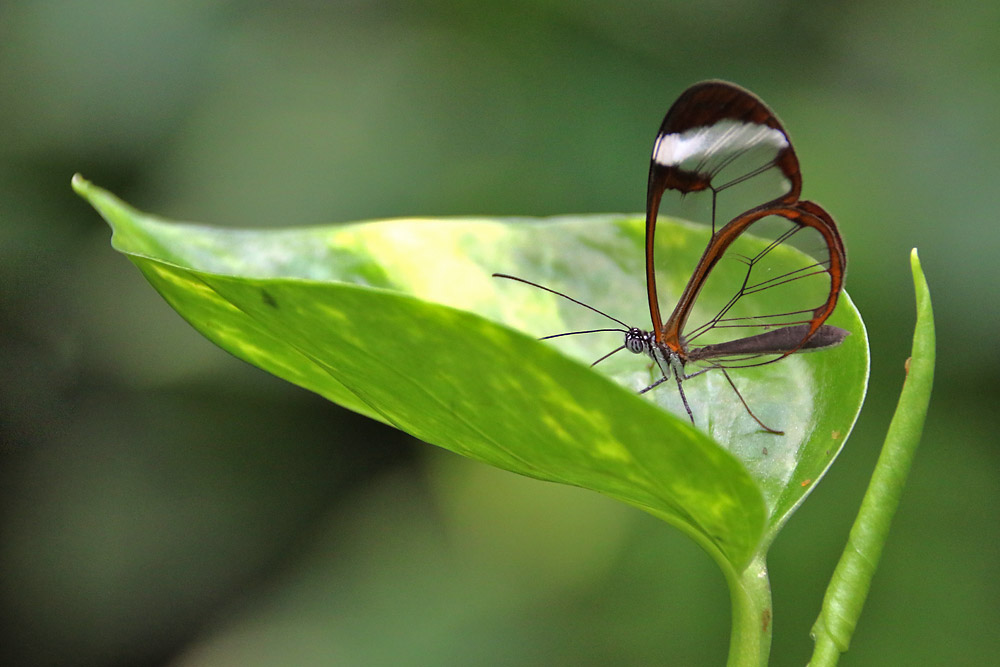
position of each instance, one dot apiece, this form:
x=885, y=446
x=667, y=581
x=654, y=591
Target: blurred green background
x=163, y=503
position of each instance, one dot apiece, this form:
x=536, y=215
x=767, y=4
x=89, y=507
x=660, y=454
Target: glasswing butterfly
x=721, y=144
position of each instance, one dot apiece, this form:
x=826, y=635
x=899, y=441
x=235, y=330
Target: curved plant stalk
x=750, y=597
x=851, y=580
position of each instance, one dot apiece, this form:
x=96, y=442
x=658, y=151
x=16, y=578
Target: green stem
x=852, y=578
x=750, y=594
x=750, y=599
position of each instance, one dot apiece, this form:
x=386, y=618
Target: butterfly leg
x=660, y=360
x=654, y=385
x=749, y=411
x=680, y=390
x=684, y=398
x=675, y=367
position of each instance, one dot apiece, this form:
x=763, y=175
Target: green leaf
x=401, y=321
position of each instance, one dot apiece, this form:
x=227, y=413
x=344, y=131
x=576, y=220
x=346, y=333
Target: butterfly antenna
x=565, y=296
x=617, y=349
x=574, y=333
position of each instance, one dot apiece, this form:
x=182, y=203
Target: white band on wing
x=727, y=137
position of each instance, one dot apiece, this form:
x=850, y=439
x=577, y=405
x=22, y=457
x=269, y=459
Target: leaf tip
x=919, y=280
x=80, y=184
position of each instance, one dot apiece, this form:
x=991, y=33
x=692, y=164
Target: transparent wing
x=764, y=289
x=723, y=141
x=773, y=267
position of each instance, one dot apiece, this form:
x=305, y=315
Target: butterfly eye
x=636, y=341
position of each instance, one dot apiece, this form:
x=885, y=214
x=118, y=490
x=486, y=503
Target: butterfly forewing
x=722, y=146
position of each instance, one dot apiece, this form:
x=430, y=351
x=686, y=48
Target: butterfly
x=722, y=144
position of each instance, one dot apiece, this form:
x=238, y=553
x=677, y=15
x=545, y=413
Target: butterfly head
x=638, y=341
